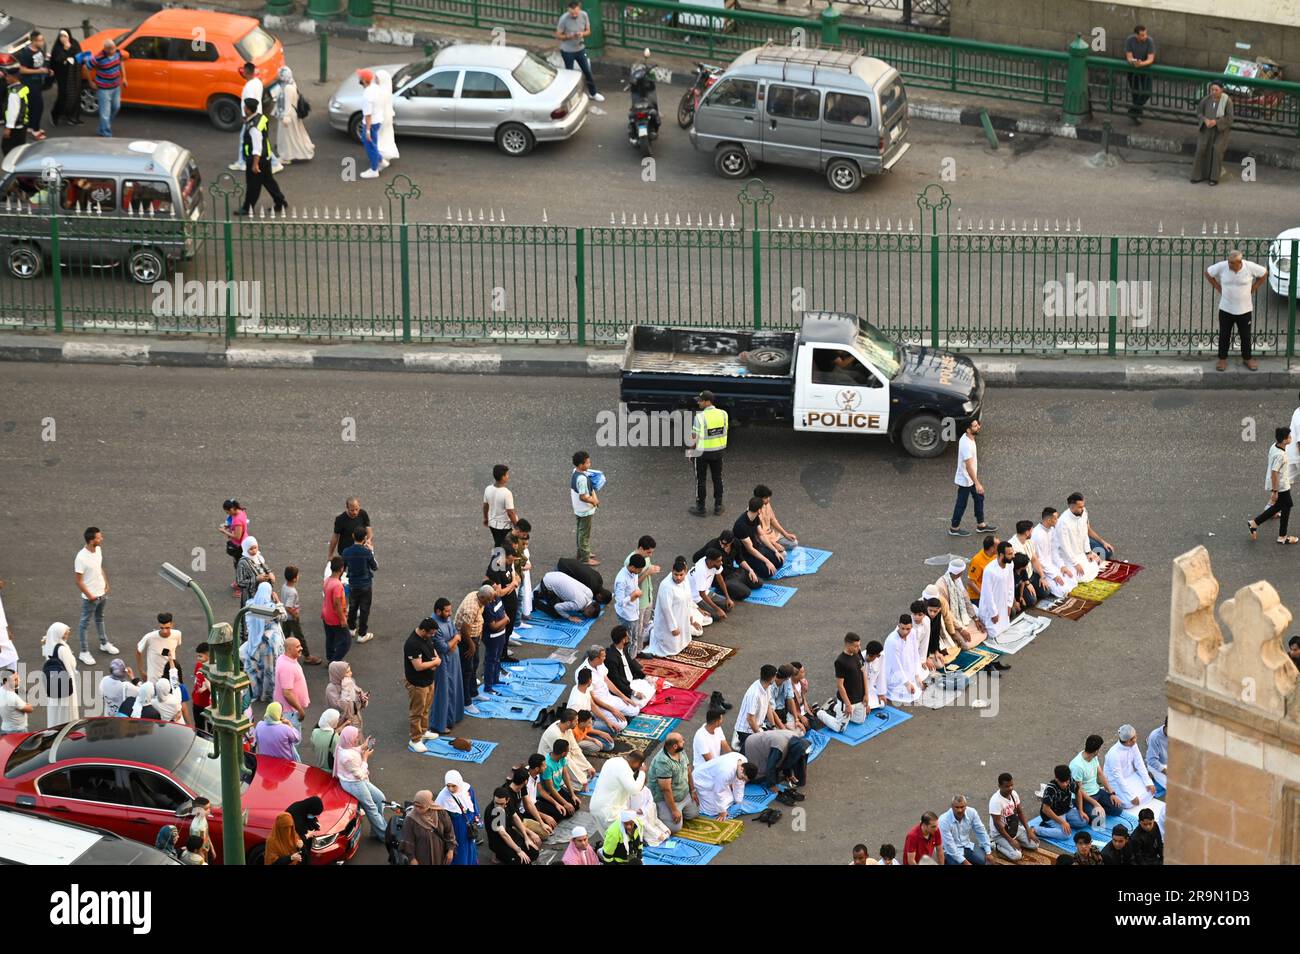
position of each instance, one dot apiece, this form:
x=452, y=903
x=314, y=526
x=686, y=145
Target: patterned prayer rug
x=506, y=707
x=1072, y=607
x=710, y=831
x=528, y=690
x=1018, y=635
x=819, y=738
x=1096, y=590
x=702, y=654
x=548, y=631
x=536, y=670
x=971, y=661
x=677, y=851
x=1118, y=571
x=801, y=561
x=679, y=674
x=856, y=734
x=442, y=749
x=770, y=594
x=674, y=703
x=637, y=743
x=653, y=727
x=757, y=798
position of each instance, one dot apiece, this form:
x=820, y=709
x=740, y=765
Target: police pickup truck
x=838, y=374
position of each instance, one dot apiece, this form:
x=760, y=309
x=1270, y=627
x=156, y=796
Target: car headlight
x=324, y=842
x=335, y=104
x=968, y=407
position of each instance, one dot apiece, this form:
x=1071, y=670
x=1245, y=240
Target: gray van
x=147, y=193
x=844, y=114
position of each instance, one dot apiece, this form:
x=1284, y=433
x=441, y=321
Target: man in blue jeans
x=968, y=484
x=495, y=620
x=1064, y=806
x=965, y=839
x=572, y=31
x=371, y=120
x=360, y=560
x=109, y=79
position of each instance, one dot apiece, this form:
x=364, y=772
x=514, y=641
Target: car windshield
x=534, y=73
x=255, y=45
x=411, y=71
x=201, y=774
x=879, y=350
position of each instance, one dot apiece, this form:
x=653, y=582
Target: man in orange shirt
x=975, y=571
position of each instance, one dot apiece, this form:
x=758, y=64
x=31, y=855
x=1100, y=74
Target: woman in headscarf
x=167, y=701
x=457, y=799
x=64, y=707
x=306, y=819
x=251, y=571
x=352, y=769
x=166, y=840
x=293, y=143
x=116, y=687
x=580, y=851
x=264, y=646
x=67, y=73
x=324, y=738
x=144, y=703
x=284, y=847
x=343, y=694
x=275, y=737
x=387, y=141
x=427, y=836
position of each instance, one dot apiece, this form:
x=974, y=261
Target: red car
x=133, y=776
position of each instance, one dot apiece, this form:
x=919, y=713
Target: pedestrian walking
x=582, y=495
x=360, y=560
x=968, y=484
x=92, y=581
x=257, y=158
x=372, y=117
x=1292, y=452
x=353, y=517
x=17, y=110
x=708, y=441
x=572, y=30
x=35, y=72
x=60, y=670
x=67, y=73
x=419, y=660
x=387, y=115
x=255, y=90
x=234, y=529
x=292, y=142
x=499, y=514
x=1140, y=52
x=1214, y=115
x=1278, y=484
x=108, y=79
x=1236, y=280
x=428, y=837
x=334, y=613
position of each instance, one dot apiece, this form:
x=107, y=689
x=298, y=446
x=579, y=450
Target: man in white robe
x=1078, y=543
x=720, y=783
x=873, y=669
x=997, y=590
x=1158, y=754
x=671, y=631
x=1293, y=449
x=1059, y=578
x=605, y=692
x=1128, y=776
x=901, y=683
x=620, y=783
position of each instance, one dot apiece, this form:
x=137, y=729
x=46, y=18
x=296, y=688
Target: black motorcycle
x=705, y=77
x=643, y=113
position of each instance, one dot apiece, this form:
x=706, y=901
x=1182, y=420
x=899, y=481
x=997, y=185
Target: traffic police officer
x=17, y=110
x=257, y=160
x=708, y=441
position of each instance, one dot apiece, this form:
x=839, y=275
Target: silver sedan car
x=501, y=94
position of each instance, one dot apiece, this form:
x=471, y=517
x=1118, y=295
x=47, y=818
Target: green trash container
x=361, y=12
x=325, y=9
x=279, y=8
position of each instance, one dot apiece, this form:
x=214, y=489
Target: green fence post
x=934, y=290
x=580, y=278
x=831, y=26
x=1114, y=295
x=1292, y=291
x=473, y=6
x=324, y=55
x=757, y=260
x=226, y=186
x=278, y=8
x=316, y=9
x=428, y=49
x=56, y=273
x=596, y=42
x=1075, y=108
x=361, y=12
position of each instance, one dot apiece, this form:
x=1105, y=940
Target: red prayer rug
x=1118, y=571
x=676, y=703
x=678, y=673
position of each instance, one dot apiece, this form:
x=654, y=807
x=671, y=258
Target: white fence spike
x=381, y=215
x=800, y=221
x=1078, y=225
x=1205, y=228
x=780, y=221
x=911, y=224
x=1237, y=230
x=710, y=220
x=448, y=213
x=336, y=214
x=1182, y=230
x=1216, y=229
x=502, y=216
x=293, y=213
x=347, y=214
x=480, y=214
x=733, y=220
x=611, y=219
x=492, y=215
x=856, y=227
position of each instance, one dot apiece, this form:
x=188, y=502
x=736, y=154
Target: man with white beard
x=1059, y=578
x=1078, y=545
x=997, y=591
x=671, y=630
x=1128, y=776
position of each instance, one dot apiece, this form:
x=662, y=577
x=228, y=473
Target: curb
x=1094, y=373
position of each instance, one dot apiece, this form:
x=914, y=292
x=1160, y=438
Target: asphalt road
x=148, y=454
x=583, y=181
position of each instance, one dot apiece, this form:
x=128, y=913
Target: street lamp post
x=229, y=724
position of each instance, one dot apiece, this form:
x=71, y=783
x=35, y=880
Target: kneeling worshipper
x=603, y=690
x=1128, y=776
x=959, y=614
x=579, y=851
x=620, y=785
x=624, y=840
x=997, y=591
x=673, y=627
x=562, y=728
x=720, y=783
x=566, y=597
x=1158, y=753
x=904, y=680
x=622, y=669
x=1074, y=539
x=1058, y=578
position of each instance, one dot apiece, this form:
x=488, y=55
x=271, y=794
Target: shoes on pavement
x=366, y=638
x=1221, y=365
x=987, y=528
x=109, y=648
x=312, y=660
x=515, y=640
x=241, y=211
x=473, y=709
x=717, y=509
x=1250, y=363
x=697, y=510
x=417, y=746
x=599, y=97
x=88, y=659
x=717, y=702
x=958, y=532
x=236, y=167
x=524, y=626
x=383, y=165
x=370, y=174
x=429, y=736
x=1001, y=666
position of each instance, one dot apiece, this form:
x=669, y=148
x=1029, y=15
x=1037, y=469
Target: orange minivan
x=190, y=59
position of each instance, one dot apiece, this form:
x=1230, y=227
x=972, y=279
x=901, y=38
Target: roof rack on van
x=812, y=58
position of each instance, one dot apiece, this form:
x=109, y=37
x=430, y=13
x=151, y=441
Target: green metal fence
x=374, y=275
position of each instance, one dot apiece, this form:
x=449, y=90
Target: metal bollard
x=324, y=55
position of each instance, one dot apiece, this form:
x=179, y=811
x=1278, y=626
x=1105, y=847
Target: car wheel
x=224, y=113
x=731, y=162
x=843, y=175
x=25, y=261
x=146, y=265
x=515, y=140
x=766, y=360
x=354, y=127
x=89, y=101
x=922, y=436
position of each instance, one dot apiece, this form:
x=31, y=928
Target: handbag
x=303, y=108
x=471, y=826
x=234, y=549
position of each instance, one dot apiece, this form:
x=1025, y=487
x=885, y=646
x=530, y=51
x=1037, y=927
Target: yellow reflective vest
x=711, y=429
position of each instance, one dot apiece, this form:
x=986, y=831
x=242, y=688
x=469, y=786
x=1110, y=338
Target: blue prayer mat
x=547, y=631
x=801, y=561
x=505, y=707
x=442, y=749
x=770, y=594
x=681, y=851
x=535, y=670
x=1100, y=838
x=857, y=734
x=820, y=738
x=757, y=798
x=650, y=726
x=526, y=690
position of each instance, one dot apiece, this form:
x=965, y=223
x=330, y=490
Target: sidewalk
x=1003, y=371
x=1023, y=119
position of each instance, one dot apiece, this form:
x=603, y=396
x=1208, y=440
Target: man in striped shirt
x=109, y=78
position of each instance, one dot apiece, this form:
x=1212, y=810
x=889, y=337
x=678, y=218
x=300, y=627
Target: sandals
x=769, y=816
x=1253, y=527
x=1288, y=541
